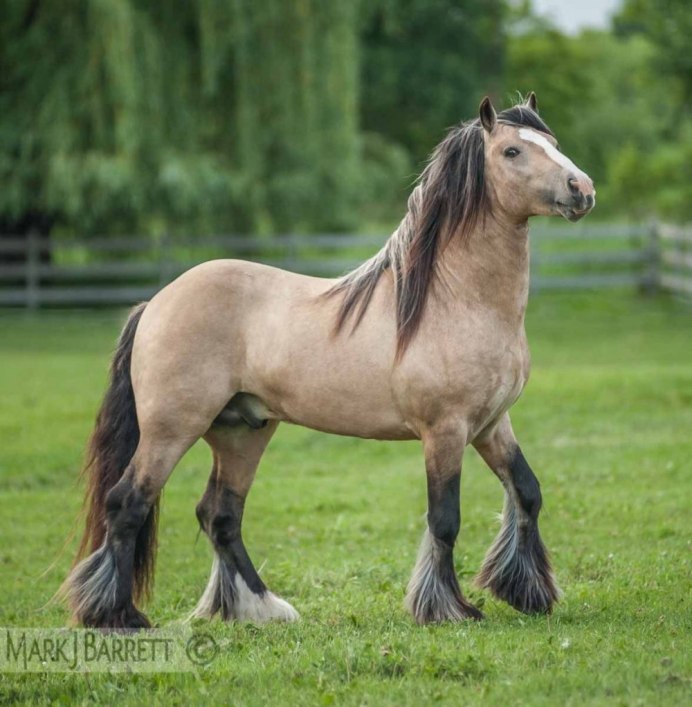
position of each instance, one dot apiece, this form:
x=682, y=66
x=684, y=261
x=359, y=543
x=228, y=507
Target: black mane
x=448, y=200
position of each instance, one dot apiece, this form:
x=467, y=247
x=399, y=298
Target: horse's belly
x=345, y=411
x=334, y=397
x=382, y=428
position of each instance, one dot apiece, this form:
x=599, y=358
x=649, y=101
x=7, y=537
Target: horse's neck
x=489, y=269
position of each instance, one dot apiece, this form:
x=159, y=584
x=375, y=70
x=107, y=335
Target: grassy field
x=606, y=423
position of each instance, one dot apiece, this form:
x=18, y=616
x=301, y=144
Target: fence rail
x=37, y=272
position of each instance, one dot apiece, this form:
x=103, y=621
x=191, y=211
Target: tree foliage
x=668, y=25
x=153, y=116
x=658, y=180
x=427, y=64
x=120, y=115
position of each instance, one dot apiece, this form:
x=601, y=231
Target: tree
x=426, y=64
x=668, y=25
x=659, y=179
x=152, y=115
x=297, y=92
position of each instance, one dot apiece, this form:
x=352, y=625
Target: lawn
x=606, y=423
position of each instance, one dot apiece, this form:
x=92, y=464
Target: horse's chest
x=510, y=382
x=505, y=376
x=476, y=382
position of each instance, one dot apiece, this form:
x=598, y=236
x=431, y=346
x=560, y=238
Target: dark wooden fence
x=35, y=272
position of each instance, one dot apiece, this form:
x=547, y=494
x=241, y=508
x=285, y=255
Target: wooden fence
x=116, y=271
x=674, y=258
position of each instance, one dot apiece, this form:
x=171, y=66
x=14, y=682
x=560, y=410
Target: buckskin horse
x=423, y=341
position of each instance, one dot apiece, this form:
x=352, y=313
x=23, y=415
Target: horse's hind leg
x=517, y=567
x=235, y=590
x=102, y=588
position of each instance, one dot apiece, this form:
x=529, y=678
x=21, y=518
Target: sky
x=573, y=15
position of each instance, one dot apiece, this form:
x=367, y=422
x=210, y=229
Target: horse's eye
x=511, y=152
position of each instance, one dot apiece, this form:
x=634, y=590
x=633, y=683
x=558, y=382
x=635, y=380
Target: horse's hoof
x=129, y=618
x=454, y=610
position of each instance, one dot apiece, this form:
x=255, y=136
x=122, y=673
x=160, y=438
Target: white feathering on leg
x=260, y=607
x=232, y=596
x=92, y=585
x=428, y=597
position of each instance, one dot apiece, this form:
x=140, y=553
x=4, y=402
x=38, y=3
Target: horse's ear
x=531, y=102
x=487, y=114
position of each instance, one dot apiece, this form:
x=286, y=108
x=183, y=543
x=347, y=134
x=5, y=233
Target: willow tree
x=297, y=106
x=152, y=115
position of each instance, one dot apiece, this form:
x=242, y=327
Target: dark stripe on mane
x=448, y=201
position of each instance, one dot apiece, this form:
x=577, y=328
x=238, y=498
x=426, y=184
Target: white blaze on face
x=553, y=153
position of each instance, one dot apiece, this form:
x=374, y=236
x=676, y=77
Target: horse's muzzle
x=579, y=200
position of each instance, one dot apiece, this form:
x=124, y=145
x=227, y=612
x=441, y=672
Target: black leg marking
x=526, y=484
x=235, y=590
x=225, y=534
x=444, y=515
x=100, y=588
x=433, y=593
x=517, y=567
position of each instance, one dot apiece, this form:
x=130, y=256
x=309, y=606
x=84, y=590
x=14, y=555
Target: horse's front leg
x=517, y=567
x=433, y=593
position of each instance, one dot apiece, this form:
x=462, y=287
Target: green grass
x=606, y=422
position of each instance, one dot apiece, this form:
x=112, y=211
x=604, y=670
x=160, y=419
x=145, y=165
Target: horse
x=424, y=341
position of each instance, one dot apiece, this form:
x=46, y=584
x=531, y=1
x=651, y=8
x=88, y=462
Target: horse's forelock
x=522, y=115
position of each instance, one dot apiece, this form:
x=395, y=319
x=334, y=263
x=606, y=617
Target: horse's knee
x=526, y=484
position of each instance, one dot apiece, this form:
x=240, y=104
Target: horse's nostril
x=573, y=184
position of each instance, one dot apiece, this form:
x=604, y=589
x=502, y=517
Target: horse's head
x=526, y=174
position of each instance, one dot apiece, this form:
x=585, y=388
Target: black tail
x=111, y=447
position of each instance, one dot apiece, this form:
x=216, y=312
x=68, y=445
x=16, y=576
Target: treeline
x=270, y=116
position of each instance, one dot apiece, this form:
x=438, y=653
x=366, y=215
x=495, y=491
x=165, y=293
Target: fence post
x=651, y=280
x=33, y=263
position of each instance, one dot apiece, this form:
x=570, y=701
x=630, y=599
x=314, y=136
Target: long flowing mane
x=448, y=201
